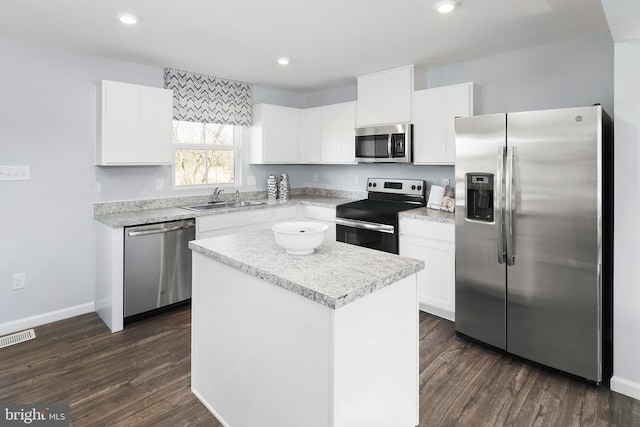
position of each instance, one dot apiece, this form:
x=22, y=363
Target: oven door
x=368, y=234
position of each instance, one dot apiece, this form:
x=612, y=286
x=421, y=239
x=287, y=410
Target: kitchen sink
x=219, y=205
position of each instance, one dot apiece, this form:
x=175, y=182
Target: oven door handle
x=364, y=225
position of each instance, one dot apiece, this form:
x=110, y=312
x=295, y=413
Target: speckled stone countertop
x=425, y=214
x=139, y=212
x=334, y=275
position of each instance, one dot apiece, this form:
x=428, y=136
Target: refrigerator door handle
x=498, y=204
x=509, y=202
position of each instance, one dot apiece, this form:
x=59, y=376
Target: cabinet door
x=311, y=132
x=399, y=91
x=338, y=133
x=156, y=117
x=457, y=103
x=371, y=106
x=434, y=116
x=288, y=134
x=427, y=126
x=385, y=97
x=434, y=243
x=276, y=134
x=120, y=123
x=436, y=283
x=135, y=125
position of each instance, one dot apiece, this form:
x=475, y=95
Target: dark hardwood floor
x=141, y=377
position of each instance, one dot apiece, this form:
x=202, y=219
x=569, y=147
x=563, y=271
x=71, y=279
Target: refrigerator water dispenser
x=480, y=196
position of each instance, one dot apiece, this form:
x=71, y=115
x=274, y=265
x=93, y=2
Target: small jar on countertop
x=272, y=187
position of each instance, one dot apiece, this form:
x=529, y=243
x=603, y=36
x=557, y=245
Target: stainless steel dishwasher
x=157, y=265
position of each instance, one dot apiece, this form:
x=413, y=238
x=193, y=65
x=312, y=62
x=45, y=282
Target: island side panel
x=376, y=358
x=260, y=353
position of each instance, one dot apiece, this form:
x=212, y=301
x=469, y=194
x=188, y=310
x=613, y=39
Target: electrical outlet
x=251, y=180
x=159, y=184
x=445, y=182
x=19, y=281
x=315, y=177
x=356, y=180
x=97, y=187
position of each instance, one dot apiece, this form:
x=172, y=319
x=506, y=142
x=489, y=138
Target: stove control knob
x=419, y=187
x=375, y=185
x=413, y=187
x=370, y=184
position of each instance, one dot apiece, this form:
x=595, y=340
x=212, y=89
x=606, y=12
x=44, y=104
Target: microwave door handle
x=389, y=146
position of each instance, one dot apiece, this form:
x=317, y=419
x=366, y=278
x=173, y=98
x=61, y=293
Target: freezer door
x=480, y=273
x=553, y=288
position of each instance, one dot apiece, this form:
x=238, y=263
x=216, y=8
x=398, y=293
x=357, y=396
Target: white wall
x=48, y=122
x=569, y=74
x=626, y=351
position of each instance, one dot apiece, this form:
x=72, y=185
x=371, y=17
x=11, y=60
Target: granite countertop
x=148, y=216
x=426, y=214
x=335, y=275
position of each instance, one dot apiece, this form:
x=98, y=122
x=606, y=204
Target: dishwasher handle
x=161, y=229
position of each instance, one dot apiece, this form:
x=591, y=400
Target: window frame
x=236, y=148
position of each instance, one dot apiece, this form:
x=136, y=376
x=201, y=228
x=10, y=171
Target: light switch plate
x=15, y=173
x=19, y=281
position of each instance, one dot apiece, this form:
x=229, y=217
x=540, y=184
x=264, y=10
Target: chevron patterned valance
x=207, y=99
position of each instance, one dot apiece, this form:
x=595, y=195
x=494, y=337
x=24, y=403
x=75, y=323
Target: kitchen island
x=327, y=339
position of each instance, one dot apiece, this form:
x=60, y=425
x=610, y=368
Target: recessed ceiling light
x=127, y=18
x=283, y=61
x=445, y=6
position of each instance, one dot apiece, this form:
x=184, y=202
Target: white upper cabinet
x=385, y=97
x=434, y=113
x=275, y=134
x=338, y=133
x=311, y=141
x=314, y=135
x=134, y=125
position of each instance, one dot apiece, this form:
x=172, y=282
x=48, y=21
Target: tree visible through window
x=205, y=153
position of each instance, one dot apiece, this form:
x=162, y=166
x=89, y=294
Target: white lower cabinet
x=433, y=243
x=231, y=223
x=260, y=219
x=322, y=215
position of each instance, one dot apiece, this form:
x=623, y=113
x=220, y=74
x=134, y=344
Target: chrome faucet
x=216, y=193
x=237, y=195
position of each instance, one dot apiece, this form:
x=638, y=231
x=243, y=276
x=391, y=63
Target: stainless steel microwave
x=384, y=144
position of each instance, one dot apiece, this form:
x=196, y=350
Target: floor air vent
x=17, y=338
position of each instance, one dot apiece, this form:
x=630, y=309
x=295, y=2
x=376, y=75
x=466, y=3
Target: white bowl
x=299, y=237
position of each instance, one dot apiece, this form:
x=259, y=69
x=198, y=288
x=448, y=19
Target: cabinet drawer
x=284, y=213
x=217, y=222
x=320, y=213
x=428, y=229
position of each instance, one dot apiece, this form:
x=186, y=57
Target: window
x=205, y=153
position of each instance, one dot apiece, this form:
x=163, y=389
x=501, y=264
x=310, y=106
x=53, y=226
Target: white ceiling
x=329, y=42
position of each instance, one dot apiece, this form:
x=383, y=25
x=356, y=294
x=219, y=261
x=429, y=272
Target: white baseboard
x=206, y=405
x=626, y=387
x=44, y=318
x=445, y=314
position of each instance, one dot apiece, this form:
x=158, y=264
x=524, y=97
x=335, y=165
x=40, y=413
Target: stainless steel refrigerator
x=534, y=201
